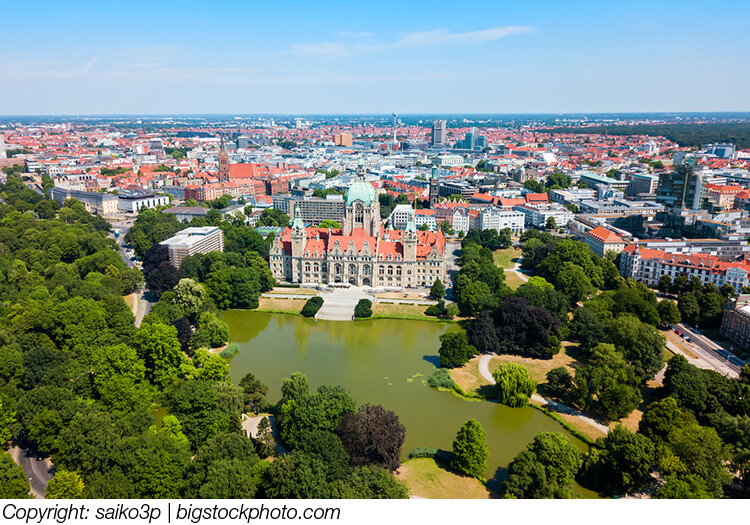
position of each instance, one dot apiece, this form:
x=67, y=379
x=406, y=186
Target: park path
x=339, y=304
x=554, y=406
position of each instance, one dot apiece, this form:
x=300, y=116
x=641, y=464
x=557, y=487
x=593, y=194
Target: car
x=678, y=332
x=687, y=340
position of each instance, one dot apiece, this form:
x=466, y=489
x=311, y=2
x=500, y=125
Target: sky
x=318, y=57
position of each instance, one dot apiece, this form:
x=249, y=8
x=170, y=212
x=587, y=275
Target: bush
x=441, y=378
x=455, y=350
x=363, y=309
x=433, y=311
x=559, y=380
x=230, y=350
x=312, y=306
x=438, y=454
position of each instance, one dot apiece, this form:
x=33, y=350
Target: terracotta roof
x=603, y=234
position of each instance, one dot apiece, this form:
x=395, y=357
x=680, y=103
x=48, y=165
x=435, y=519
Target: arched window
x=398, y=270
x=390, y=270
x=366, y=270
x=307, y=267
x=315, y=267
x=337, y=268
x=381, y=270
x=352, y=268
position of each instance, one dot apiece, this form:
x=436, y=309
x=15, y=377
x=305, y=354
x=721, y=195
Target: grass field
x=279, y=305
x=538, y=368
x=130, y=300
x=294, y=291
x=426, y=478
x=506, y=258
x=470, y=380
x=513, y=280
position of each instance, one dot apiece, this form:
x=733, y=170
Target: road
x=718, y=358
x=39, y=472
x=144, y=303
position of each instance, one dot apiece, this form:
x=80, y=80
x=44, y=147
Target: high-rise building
x=191, y=241
x=2, y=148
x=438, y=133
x=342, y=139
x=681, y=188
x=434, y=188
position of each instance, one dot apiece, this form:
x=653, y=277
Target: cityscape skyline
x=330, y=59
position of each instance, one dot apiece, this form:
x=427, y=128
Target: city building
x=94, y=202
x=342, y=139
x=602, y=240
x=137, y=201
x=735, y=325
x=314, y=210
x=642, y=184
x=593, y=179
x=497, y=219
x=191, y=241
x=438, y=134
x=681, y=188
x=187, y=213
x=362, y=252
x=537, y=215
x=400, y=216
x=648, y=265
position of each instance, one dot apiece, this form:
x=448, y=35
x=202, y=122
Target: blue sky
x=357, y=57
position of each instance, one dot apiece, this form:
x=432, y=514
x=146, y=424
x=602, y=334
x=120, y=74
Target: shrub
x=441, y=378
x=230, y=350
x=514, y=386
x=312, y=306
x=432, y=452
x=363, y=309
x=559, y=380
x=433, y=311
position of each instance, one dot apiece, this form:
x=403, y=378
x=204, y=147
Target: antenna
x=394, y=127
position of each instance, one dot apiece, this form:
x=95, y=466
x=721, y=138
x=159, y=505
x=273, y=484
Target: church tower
x=223, y=163
x=299, y=240
x=362, y=206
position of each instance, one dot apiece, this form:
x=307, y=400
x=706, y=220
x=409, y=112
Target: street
x=143, y=306
x=717, y=357
x=39, y=472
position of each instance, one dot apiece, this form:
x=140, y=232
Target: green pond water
x=382, y=362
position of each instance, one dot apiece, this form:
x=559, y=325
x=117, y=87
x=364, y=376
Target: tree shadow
x=487, y=391
x=432, y=359
x=495, y=484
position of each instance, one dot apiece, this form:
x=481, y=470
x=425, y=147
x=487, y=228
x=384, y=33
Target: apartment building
x=94, y=202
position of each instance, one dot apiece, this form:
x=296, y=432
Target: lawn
x=426, y=478
x=401, y=311
x=538, y=368
x=295, y=291
x=130, y=300
x=470, y=380
x=506, y=258
x=280, y=305
x=513, y=280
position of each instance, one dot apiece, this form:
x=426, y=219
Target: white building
x=191, y=241
x=427, y=217
x=601, y=240
x=400, y=216
x=537, y=215
x=496, y=219
x=134, y=203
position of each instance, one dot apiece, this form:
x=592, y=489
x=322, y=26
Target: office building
x=94, y=202
x=191, y=241
x=496, y=219
x=137, y=201
x=681, y=188
x=438, y=133
x=642, y=183
x=602, y=240
x=314, y=210
x=342, y=139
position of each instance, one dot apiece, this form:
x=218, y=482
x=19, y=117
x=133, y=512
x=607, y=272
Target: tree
x=294, y=388
x=254, y=391
x=296, y=476
x=65, y=485
x=372, y=436
x=551, y=223
x=13, y=482
x=363, y=309
x=438, y=290
x=514, y=386
x=482, y=334
x=622, y=466
x=119, y=377
x=689, y=308
x=369, y=482
x=559, y=380
x=326, y=446
x=327, y=223
x=687, y=486
x=198, y=409
x=455, y=350
x=640, y=343
x=573, y=282
x=545, y=469
x=587, y=327
x=470, y=449
x=665, y=283
x=525, y=329
x=158, y=346
x=320, y=411
x=669, y=313
x=190, y=296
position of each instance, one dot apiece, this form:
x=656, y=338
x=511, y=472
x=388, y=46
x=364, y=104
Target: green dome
x=360, y=191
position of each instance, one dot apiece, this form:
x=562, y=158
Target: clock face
x=358, y=206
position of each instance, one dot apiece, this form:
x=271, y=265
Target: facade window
x=381, y=271
x=398, y=270
x=307, y=267
x=390, y=270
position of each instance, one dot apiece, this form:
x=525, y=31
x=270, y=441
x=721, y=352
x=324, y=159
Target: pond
x=383, y=362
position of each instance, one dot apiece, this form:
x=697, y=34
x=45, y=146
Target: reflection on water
x=382, y=362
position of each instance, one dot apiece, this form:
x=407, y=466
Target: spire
x=297, y=224
x=361, y=168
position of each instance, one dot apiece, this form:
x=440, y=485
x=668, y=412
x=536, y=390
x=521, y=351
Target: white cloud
x=428, y=38
x=89, y=65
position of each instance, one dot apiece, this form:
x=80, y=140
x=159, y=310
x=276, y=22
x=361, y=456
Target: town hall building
x=361, y=252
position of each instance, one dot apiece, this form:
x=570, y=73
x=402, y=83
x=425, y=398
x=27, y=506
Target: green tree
x=254, y=390
x=363, y=309
x=689, y=308
x=683, y=487
x=545, y=469
x=455, y=350
x=665, y=283
x=190, y=296
x=470, y=449
x=65, y=485
x=13, y=482
x=158, y=346
x=640, y=343
x=514, y=386
x=327, y=223
x=559, y=380
x=120, y=377
x=438, y=290
x=574, y=282
x=551, y=223
x=668, y=312
x=294, y=388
